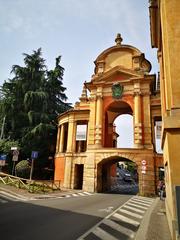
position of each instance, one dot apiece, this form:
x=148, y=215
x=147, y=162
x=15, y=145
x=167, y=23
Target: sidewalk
x=155, y=225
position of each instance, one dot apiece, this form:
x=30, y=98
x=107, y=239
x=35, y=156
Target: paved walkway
x=155, y=227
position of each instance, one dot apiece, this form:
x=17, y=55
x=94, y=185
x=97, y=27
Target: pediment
x=117, y=72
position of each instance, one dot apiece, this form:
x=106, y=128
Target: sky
x=78, y=30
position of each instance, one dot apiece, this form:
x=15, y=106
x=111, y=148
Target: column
x=147, y=120
x=61, y=142
x=71, y=136
x=68, y=172
x=92, y=123
x=99, y=113
x=58, y=140
x=137, y=120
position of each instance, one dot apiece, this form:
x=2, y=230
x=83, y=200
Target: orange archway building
x=86, y=140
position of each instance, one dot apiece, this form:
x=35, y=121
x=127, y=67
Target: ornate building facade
x=86, y=142
x=165, y=36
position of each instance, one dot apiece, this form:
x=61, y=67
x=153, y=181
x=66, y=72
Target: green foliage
x=23, y=169
x=131, y=167
x=31, y=102
x=5, y=145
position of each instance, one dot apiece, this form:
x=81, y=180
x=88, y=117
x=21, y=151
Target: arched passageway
x=117, y=175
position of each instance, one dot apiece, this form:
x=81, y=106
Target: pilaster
x=137, y=119
x=98, y=138
x=61, y=143
x=92, y=122
x=58, y=140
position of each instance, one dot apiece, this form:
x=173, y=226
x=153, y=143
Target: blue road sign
x=3, y=157
x=34, y=154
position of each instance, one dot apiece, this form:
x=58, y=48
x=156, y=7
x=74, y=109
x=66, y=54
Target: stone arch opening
x=112, y=111
x=117, y=175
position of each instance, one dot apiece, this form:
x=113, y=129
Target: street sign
x=34, y=154
x=3, y=159
x=15, y=153
x=14, y=148
x=143, y=162
x=143, y=168
x=2, y=162
x=15, y=158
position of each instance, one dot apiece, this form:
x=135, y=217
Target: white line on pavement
x=119, y=228
x=103, y=234
x=134, y=209
x=130, y=213
x=126, y=219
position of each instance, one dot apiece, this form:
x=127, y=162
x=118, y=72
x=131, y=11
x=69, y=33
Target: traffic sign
x=143, y=168
x=3, y=159
x=34, y=154
x=2, y=162
x=15, y=158
x=143, y=171
x=14, y=148
x=15, y=153
x=143, y=162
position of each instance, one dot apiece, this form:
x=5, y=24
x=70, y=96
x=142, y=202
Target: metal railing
x=30, y=185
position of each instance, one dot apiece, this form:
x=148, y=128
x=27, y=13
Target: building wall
x=165, y=35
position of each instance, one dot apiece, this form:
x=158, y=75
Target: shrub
x=23, y=169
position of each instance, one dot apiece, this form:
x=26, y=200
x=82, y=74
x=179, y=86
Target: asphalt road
x=55, y=219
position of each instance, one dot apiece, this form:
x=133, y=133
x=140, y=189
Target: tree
x=31, y=101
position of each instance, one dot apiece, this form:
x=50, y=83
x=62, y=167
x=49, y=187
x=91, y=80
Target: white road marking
x=134, y=209
x=140, y=203
x=145, y=198
x=135, y=205
x=103, y=234
x=130, y=213
x=126, y=219
x=75, y=195
x=119, y=228
x=3, y=201
x=88, y=193
x=81, y=194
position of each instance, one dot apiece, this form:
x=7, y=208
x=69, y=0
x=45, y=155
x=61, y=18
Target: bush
x=23, y=169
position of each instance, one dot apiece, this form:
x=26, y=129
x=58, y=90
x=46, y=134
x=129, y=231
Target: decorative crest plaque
x=117, y=90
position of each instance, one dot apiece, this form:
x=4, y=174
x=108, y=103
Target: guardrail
x=30, y=185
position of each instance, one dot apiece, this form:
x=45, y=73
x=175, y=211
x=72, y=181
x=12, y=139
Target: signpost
x=143, y=171
x=34, y=155
x=14, y=158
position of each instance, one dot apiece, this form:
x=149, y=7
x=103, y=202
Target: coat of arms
x=117, y=90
